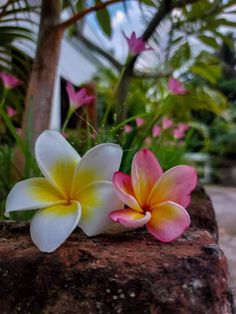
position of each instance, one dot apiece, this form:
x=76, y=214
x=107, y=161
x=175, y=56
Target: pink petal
x=88, y=100
x=176, y=87
x=166, y=123
x=168, y=221
x=11, y=111
x=130, y=218
x=128, y=128
x=174, y=185
x=133, y=37
x=156, y=130
x=80, y=95
x=145, y=171
x=71, y=93
x=124, y=189
x=139, y=121
x=9, y=81
x=183, y=126
x=136, y=44
x=148, y=141
x=178, y=134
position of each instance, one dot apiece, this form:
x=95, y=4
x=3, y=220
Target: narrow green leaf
x=209, y=41
x=103, y=18
x=182, y=55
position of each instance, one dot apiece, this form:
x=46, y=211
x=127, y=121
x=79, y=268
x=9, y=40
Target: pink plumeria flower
x=156, y=130
x=136, y=44
x=9, y=81
x=79, y=98
x=139, y=121
x=11, y=111
x=75, y=191
x=155, y=199
x=175, y=87
x=183, y=126
x=178, y=134
x=166, y=123
x=128, y=128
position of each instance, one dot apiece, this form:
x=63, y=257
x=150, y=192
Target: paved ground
x=224, y=203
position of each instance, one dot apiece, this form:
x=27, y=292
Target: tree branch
x=62, y=26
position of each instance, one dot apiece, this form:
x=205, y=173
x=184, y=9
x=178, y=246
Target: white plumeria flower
x=75, y=190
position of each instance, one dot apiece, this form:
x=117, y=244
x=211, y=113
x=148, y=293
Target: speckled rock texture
x=128, y=273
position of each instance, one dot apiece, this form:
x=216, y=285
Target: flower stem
x=69, y=114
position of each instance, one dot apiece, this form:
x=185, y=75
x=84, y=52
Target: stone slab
x=130, y=272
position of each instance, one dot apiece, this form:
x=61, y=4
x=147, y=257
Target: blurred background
x=176, y=96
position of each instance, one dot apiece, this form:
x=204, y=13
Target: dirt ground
x=224, y=203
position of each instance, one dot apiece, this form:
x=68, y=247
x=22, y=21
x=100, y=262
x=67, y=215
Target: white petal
x=97, y=200
x=98, y=164
x=33, y=193
x=50, y=227
x=57, y=160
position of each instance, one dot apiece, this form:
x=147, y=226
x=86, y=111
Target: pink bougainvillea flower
x=156, y=130
x=136, y=44
x=11, y=111
x=183, y=126
x=175, y=87
x=178, y=134
x=166, y=123
x=9, y=81
x=139, y=121
x=79, y=98
x=155, y=199
x=128, y=128
x=74, y=190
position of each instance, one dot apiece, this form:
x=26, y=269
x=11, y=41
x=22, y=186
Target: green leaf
x=207, y=66
x=80, y=5
x=209, y=41
x=203, y=72
x=182, y=55
x=103, y=18
x=225, y=22
x=148, y=2
x=181, y=106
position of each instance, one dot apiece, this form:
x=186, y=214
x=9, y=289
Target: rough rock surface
x=129, y=272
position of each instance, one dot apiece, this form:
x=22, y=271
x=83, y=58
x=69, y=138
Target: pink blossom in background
x=153, y=198
x=148, y=141
x=156, y=130
x=139, y=121
x=176, y=87
x=11, y=111
x=19, y=131
x=183, y=126
x=178, y=134
x=166, y=123
x=128, y=128
x=136, y=44
x=94, y=135
x=9, y=81
x=79, y=98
